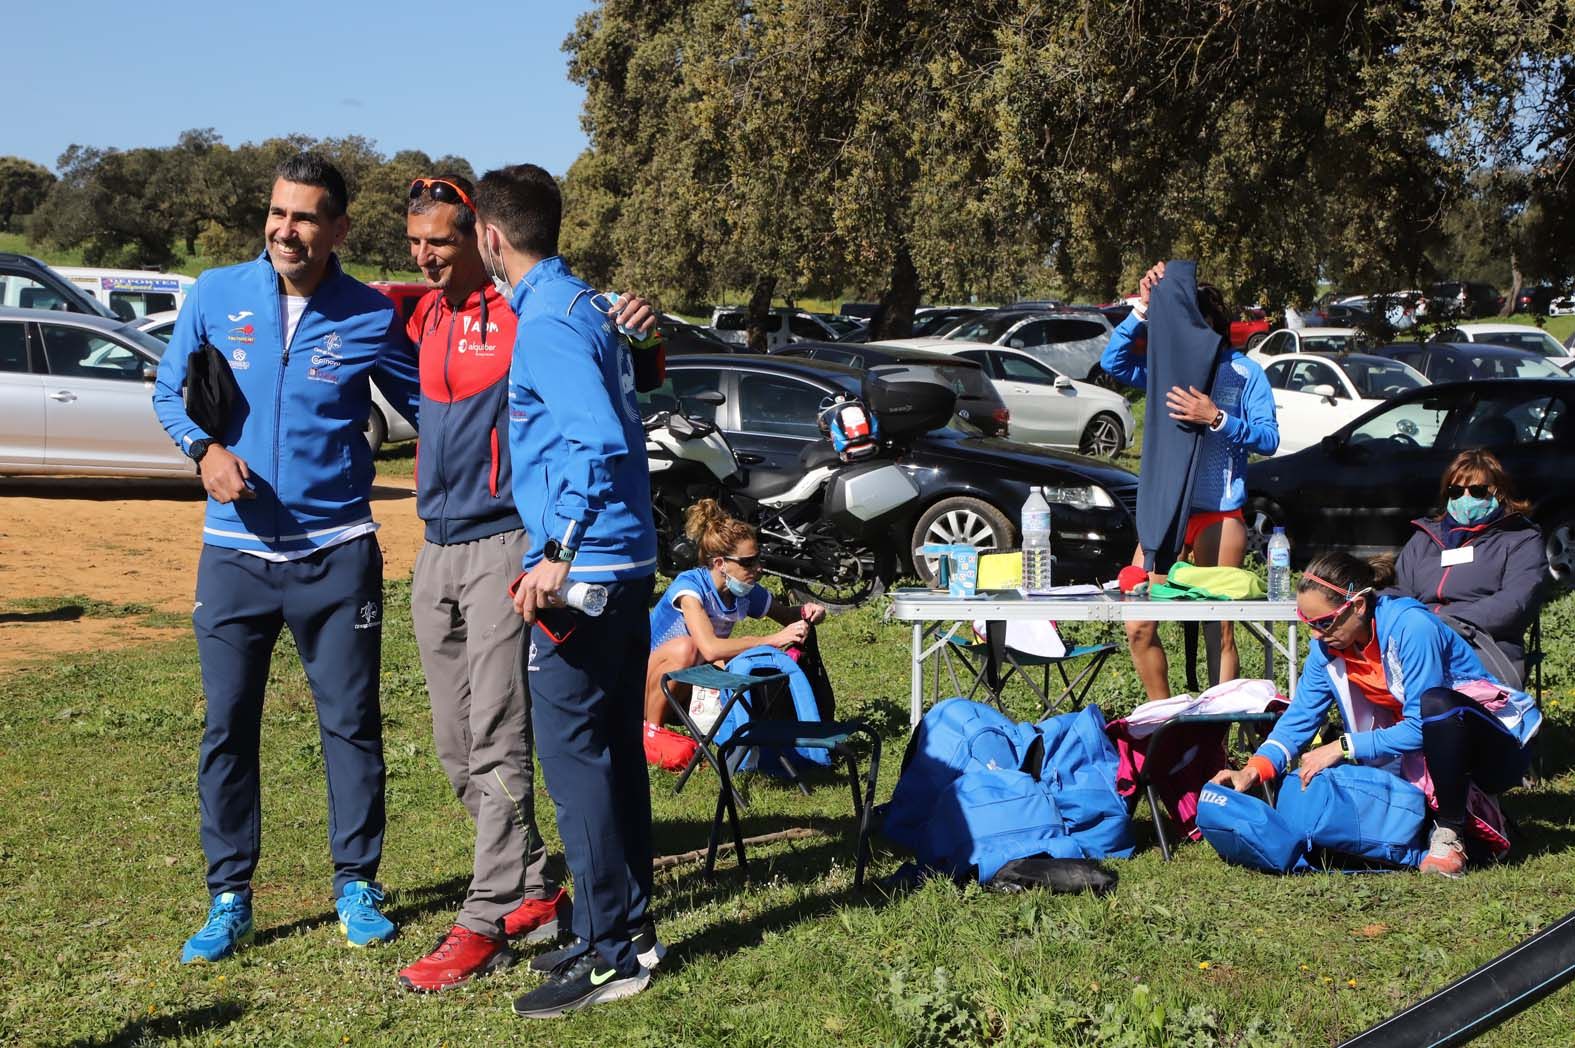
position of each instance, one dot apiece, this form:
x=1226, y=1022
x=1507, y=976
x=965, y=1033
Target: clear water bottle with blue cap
x=1279, y=566
x=1037, y=563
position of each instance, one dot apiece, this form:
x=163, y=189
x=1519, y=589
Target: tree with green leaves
x=23, y=186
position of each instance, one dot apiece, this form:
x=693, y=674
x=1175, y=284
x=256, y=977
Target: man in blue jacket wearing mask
x=288, y=539
x=582, y=487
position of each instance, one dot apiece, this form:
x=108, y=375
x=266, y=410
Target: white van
x=131, y=293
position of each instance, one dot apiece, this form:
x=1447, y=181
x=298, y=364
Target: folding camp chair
x=1243, y=721
x=832, y=736
x=993, y=663
x=736, y=688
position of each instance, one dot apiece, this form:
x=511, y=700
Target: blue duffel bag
x=1247, y=832
x=1356, y=810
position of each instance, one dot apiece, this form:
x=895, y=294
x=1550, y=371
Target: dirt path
x=125, y=541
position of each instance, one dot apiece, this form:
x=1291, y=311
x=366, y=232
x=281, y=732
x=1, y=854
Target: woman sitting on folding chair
x=693, y=620
x=1480, y=562
x=1413, y=699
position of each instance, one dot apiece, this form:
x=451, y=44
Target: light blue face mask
x=1469, y=510
x=738, y=587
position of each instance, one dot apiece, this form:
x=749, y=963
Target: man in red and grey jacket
x=469, y=635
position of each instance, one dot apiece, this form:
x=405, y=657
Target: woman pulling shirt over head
x=693, y=620
x=1413, y=699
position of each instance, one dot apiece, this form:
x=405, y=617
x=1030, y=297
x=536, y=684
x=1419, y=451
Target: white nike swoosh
x=236, y=318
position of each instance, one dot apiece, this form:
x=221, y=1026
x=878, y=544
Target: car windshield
x=1531, y=340
x=987, y=328
x=149, y=344
x=1336, y=343
x=1381, y=380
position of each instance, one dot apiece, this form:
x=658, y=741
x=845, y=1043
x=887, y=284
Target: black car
x=681, y=338
x=26, y=283
x=978, y=402
x=972, y=488
x=1360, y=488
x=1464, y=298
x=1467, y=361
x=1534, y=299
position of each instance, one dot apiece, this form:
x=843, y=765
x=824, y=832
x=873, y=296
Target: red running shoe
x=539, y=920
x=460, y=955
x=667, y=749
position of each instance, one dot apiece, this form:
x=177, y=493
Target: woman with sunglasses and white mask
x=1412, y=697
x=694, y=618
x=1480, y=560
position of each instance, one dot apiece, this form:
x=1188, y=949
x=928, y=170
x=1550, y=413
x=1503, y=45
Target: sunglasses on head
x=747, y=563
x=441, y=190
x=1478, y=491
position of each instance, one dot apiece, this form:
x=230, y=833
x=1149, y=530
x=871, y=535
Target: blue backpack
x=1078, y=764
x=955, y=736
x=986, y=819
x=772, y=660
x=1356, y=810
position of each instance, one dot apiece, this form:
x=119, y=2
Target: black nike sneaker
x=584, y=982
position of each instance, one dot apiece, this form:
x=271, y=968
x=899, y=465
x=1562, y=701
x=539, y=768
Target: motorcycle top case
x=909, y=408
x=861, y=496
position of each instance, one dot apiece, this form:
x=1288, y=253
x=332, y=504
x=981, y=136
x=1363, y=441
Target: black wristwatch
x=198, y=448
x=555, y=550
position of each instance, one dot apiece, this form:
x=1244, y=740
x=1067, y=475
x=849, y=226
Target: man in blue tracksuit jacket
x=1235, y=416
x=582, y=486
x=288, y=537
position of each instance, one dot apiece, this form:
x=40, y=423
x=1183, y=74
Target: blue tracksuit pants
x=333, y=603
x=587, y=688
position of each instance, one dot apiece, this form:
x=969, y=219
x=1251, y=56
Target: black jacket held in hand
x=211, y=389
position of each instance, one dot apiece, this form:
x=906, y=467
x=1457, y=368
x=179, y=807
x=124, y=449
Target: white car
x=1071, y=341
x=1562, y=307
x=1314, y=395
x=1047, y=407
x=1310, y=340
x=1515, y=336
x=783, y=326
x=131, y=293
x=386, y=425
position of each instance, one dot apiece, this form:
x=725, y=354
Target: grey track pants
x=470, y=639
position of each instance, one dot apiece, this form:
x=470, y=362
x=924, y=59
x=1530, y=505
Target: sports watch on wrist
x=1346, y=750
x=555, y=550
x=198, y=448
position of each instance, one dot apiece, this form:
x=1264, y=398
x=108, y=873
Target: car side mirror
x=1323, y=389
x=1062, y=382
x=150, y=373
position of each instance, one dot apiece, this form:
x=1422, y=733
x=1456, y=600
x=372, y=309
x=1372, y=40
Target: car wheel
x=376, y=429
x=956, y=521
x=1560, y=547
x=1103, y=379
x=1255, y=340
x=1262, y=517
x=1103, y=436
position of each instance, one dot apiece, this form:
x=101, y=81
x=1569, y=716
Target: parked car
x=1250, y=328
x=978, y=403
x=1563, y=307
x=26, y=283
x=1468, y=361
x=867, y=311
x=1310, y=340
x=1515, y=336
x=972, y=488
x=76, y=396
x=1535, y=299
x=1071, y=342
x=131, y=293
x=1050, y=409
x=1359, y=488
x=1464, y=298
x=1316, y=394
x=404, y=293
x=783, y=326
x=937, y=320
x=842, y=326
x=682, y=337
x=385, y=425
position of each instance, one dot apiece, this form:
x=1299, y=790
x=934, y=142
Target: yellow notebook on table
x=1001, y=571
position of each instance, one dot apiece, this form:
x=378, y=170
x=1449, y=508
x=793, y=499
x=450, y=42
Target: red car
x=1256, y=322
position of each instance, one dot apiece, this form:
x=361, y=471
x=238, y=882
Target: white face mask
x=495, y=267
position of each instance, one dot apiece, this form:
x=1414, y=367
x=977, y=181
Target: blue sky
x=483, y=79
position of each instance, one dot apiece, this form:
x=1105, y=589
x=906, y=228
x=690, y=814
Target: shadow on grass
x=1544, y=823
x=166, y=1027
x=64, y=613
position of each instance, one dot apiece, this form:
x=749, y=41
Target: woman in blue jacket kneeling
x=1413, y=699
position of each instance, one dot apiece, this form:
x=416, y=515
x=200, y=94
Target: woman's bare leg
x=1148, y=655
x=1222, y=545
x=679, y=653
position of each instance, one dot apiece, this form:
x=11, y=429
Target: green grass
x=101, y=880
x=190, y=265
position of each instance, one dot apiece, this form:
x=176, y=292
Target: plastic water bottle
x=1036, y=544
x=613, y=298
x=587, y=597
x=1279, y=566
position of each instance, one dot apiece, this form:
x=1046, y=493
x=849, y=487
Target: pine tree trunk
x=901, y=298
x=1508, y=308
x=755, y=334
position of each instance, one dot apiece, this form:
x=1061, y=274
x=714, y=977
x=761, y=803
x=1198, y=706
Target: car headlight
x=1088, y=496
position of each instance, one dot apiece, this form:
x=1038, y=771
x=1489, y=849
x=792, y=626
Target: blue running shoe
x=359, y=918
x=229, y=925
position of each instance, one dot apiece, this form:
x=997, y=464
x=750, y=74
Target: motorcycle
x=826, y=532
